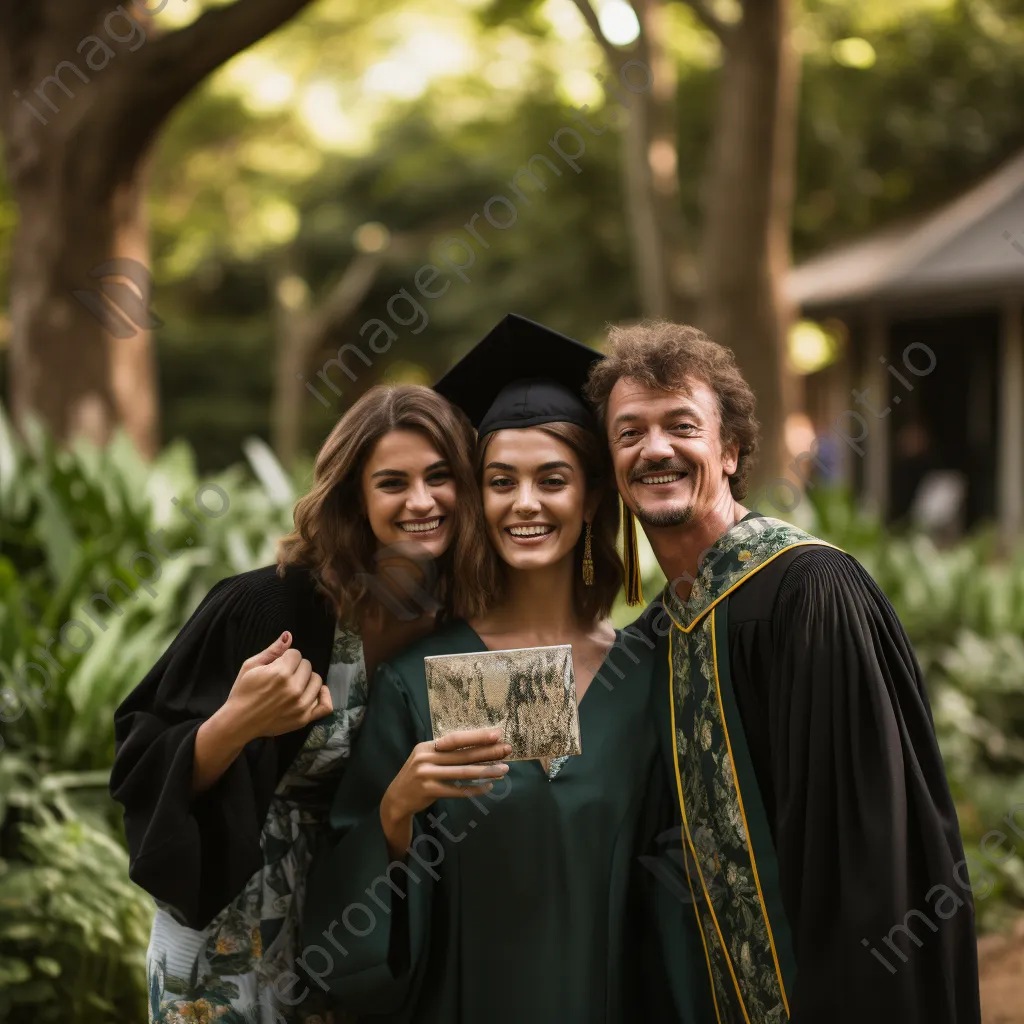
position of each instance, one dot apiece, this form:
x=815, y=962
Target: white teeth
x=430, y=524
x=664, y=479
x=529, y=531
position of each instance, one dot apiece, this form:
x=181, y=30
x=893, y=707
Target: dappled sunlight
x=618, y=22
x=329, y=123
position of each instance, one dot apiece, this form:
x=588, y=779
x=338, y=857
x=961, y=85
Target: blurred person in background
x=230, y=748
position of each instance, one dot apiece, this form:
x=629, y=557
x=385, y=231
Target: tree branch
x=343, y=298
x=708, y=17
x=613, y=55
x=176, y=63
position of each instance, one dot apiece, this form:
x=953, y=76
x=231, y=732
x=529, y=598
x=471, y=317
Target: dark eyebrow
x=681, y=410
x=401, y=472
x=544, y=468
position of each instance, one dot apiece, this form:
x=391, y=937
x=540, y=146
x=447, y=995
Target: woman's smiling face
x=409, y=492
x=534, y=493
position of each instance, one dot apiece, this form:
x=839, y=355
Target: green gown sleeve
x=365, y=920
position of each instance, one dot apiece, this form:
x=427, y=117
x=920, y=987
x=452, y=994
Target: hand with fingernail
x=276, y=691
x=433, y=771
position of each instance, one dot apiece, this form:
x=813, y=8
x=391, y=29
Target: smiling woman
x=380, y=483
x=548, y=881
x=229, y=749
x=409, y=490
x=547, y=498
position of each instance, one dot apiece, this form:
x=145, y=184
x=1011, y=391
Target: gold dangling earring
x=588, y=561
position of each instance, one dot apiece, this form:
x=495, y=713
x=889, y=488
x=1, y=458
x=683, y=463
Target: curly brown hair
x=593, y=603
x=661, y=354
x=332, y=535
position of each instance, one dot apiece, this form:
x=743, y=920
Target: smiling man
x=814, y=815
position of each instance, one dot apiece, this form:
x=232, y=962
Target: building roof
x=974, y=243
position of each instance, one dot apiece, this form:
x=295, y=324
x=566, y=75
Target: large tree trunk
x=645, y=203
x=84, y=88
x=657, y=150
x=735, y=291
x=649, y=160
x=80, y=367
x=748, y=199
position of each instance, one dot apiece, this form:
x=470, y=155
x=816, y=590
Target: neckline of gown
x=604, y=661
x=478, y=640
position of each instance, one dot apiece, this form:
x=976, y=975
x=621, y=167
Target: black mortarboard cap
x=521, y=375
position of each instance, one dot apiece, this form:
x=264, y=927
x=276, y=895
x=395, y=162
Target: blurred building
x=927, y=396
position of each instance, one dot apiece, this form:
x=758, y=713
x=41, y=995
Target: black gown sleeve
x=870, y=857
x=194, y=854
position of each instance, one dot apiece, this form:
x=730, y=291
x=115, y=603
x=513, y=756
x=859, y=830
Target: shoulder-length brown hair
x=592, y=603
x=332, y=535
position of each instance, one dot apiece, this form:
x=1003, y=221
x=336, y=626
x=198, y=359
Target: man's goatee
x=669, y=517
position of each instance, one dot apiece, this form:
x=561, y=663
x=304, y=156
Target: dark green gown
x=531, y=903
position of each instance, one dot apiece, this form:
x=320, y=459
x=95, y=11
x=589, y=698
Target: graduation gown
x=196, y=854
x=525, y=904
x=842, y=848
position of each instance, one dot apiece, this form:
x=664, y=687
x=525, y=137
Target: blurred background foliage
x=411, y=116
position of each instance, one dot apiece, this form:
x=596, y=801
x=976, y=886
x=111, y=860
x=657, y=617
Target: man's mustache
x=658, y=467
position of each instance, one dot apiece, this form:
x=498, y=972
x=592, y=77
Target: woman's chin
x=529, y=561
x=412, y=546
x=433, y=548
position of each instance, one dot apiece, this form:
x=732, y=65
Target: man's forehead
x=689, y=391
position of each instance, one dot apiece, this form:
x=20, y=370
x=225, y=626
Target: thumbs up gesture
x=276, y=691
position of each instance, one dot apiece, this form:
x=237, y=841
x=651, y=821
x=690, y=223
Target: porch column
x=1011, y=423
x=876, y=457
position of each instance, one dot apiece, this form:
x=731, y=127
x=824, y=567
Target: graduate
x=230, y=748
x=521, y=898
x=823, y=858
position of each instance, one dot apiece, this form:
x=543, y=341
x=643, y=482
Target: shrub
x=103, y=559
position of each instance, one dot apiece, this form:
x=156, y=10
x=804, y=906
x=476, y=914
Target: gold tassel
x=588, y=561
x=631, y=558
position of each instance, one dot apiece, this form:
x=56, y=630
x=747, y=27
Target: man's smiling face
x=666, y=446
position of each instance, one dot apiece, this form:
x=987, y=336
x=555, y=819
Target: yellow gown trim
x=743, y=815
x=753, y=572
x=696, y=861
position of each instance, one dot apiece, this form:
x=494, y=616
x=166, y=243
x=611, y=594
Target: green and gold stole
x=725, y=835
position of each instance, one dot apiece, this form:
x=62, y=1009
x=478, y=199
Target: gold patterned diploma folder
x=529, y=693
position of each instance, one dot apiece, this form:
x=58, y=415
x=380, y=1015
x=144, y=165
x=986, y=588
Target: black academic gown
x=838, y=726
x=196, y=854
x=526, y=904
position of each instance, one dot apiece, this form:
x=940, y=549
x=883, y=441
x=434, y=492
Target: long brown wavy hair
x=595, y=602
x=332, y=535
